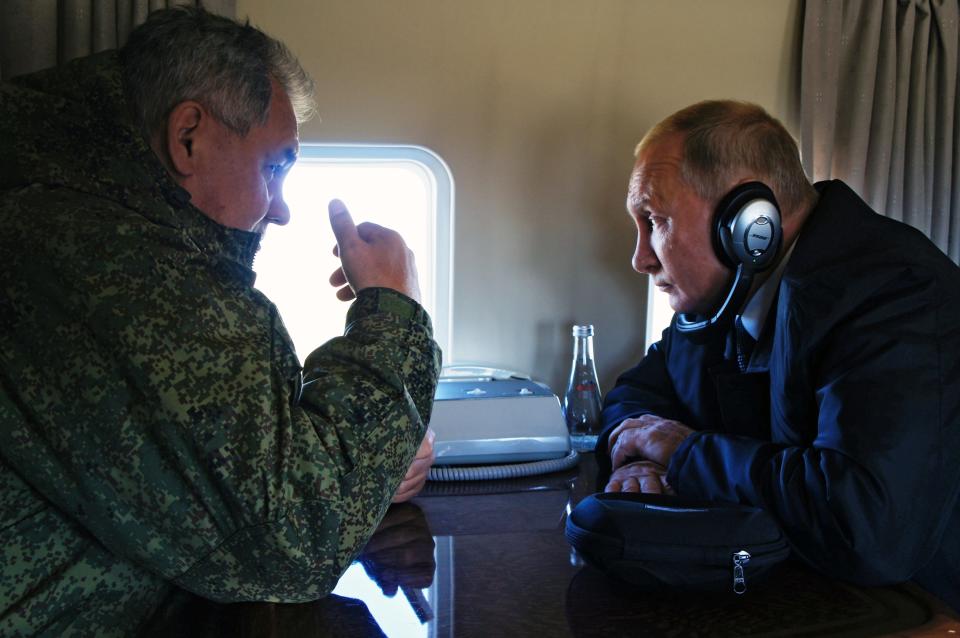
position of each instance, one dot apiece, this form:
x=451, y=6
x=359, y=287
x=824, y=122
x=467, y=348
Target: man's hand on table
x=416, y=476
x=640, y=476
x=640, y=451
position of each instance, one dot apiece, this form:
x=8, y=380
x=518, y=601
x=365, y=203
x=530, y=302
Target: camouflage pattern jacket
x=149, y=432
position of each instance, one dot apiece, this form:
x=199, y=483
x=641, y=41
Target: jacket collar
x=833, y=233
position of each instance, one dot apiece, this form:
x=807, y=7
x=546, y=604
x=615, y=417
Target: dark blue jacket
x=846, y=425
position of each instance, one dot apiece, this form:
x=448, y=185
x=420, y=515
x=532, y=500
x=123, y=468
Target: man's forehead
x=634, y=197
x=283, y=120
x=647, y=179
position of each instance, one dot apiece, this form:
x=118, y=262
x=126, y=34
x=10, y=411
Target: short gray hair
x=722, y=137
x=188, y=53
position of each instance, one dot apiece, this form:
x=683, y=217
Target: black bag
x=652, y=541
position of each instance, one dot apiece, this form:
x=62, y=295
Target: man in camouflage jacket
x=154, y=430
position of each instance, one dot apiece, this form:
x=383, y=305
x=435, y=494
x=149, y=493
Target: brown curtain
x=880, y=107
x=37, y=34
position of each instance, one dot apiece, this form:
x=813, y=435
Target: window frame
x=442, y=184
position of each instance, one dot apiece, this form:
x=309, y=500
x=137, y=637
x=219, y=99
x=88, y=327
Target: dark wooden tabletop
x=482, y=559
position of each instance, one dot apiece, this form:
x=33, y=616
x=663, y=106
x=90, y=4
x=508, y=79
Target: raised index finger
x=341, y=222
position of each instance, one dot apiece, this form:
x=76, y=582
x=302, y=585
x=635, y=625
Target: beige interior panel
x=536, y=106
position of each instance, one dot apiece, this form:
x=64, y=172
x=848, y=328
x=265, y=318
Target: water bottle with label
x=582, y=403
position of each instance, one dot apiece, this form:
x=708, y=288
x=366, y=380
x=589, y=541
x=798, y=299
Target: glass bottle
x=582, y=403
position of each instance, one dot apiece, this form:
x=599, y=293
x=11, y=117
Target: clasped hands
x=640, y=451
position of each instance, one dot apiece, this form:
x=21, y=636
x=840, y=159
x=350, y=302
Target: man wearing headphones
x=813, y=366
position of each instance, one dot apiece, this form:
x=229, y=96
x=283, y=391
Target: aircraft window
x=659, y=313
x=406, y=188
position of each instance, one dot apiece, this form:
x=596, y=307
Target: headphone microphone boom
x=746, y=236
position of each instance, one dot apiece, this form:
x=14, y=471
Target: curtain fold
x=37, y=34
x=880, y=108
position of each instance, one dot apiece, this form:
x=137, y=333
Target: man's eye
x=276, y=171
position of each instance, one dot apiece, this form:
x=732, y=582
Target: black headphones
x=746, y=235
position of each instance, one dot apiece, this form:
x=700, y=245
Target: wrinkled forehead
x=650, y=176
x=658, y=164
x=634, y=197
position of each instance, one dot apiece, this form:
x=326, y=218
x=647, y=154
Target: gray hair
x=187, y=53
x=724, y=137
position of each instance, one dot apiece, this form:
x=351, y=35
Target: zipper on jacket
x=740, y=559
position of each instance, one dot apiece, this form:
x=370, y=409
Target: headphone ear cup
x=747, y=227
x=723, y=246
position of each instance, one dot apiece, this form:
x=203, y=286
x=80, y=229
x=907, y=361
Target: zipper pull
x=740, y=559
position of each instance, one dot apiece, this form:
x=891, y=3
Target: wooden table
x=489, y=559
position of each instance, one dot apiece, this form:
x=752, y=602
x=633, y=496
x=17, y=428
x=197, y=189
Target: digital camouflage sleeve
x=150, y=431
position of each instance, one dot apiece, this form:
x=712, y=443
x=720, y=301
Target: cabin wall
x=536, y=105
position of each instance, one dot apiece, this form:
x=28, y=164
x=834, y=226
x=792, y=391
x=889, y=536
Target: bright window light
x=406, y=188
x=395, y=614
x=659, y=313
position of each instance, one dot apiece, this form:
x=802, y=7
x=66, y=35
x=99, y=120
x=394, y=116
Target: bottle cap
x=583, y=331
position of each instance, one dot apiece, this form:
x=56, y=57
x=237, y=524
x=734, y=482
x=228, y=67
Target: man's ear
x=183, y=125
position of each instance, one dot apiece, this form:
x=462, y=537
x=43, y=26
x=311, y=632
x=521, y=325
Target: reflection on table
x=490, y=559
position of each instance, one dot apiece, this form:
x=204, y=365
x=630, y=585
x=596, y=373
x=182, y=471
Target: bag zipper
x=740, y=559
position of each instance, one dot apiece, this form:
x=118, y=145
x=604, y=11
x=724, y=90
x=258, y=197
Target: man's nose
x=279, y=212
x=644, y=261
